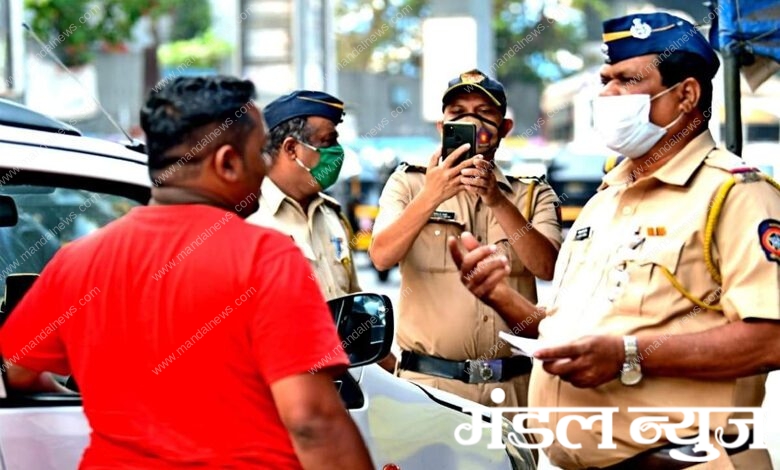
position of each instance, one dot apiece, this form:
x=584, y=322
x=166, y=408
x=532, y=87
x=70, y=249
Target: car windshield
x=49, y=218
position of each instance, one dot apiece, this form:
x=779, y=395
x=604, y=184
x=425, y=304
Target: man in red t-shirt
x=193, y=335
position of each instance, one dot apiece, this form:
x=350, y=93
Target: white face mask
x=623, y=122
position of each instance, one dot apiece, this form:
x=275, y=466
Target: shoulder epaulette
x=527, y=179
x=409, y=168
x=331, y=201
x=735, y=167
x=745, y=169
x=746, y=174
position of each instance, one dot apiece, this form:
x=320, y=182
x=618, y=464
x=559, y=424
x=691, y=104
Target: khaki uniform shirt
x=437, y=315
x=320, y=233
x=609, y=281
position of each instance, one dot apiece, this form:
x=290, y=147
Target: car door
x=42, y=432
x=404, y=426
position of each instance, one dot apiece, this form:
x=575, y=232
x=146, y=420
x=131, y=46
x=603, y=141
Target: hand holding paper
x=523, y=346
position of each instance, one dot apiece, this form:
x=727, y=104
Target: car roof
x=33, y=141
x=17, y=115
x=61, y=141
x=22, y=125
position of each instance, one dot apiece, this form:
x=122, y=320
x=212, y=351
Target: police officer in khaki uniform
x=668, y=285
x=448, y=337
x=305, y=159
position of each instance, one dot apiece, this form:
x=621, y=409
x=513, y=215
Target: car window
x=49, y=218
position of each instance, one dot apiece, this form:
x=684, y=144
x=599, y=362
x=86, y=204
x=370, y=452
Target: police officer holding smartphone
x=447, y=336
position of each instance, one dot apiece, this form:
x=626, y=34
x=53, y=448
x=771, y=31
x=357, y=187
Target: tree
x=80, y=27
x=386, y=35
x=191, y=19
x=548, y=38
x=371, y=33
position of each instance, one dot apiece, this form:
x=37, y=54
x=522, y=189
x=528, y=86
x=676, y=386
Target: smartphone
x=456, y=134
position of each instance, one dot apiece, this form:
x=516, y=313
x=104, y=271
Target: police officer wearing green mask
x=304, y=158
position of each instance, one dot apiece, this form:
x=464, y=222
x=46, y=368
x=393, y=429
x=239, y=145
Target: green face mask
x=326, y=172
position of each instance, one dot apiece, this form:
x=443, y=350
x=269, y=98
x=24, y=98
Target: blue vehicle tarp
x=751, y=25
x=747, y=33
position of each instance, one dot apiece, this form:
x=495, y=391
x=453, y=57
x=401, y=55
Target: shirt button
x=628, y=210
x=479, y=238
x=437, y=232
x=484, y=318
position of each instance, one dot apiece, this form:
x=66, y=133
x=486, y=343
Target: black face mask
x=484, y=135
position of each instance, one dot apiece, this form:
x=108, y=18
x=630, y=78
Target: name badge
x=443, y=215
x=582, y=234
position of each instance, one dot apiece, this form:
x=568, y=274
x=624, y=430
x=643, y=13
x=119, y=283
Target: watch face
x=631, y=376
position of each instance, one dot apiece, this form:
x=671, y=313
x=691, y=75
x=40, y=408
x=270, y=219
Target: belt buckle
x=484, y=371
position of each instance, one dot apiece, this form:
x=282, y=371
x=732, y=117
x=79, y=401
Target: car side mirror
x=9, y=216
x=365, y=325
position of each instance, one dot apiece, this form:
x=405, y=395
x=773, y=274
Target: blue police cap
x=474, y=80
x=303, y=103
x=654, y=33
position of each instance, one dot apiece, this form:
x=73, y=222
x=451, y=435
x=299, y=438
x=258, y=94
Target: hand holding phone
x=456, y=134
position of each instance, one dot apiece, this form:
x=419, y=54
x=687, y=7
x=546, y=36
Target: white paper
x=522, y=346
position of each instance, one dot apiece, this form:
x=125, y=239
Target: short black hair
x=182, y=110
x=680, y=65
x=296, y=128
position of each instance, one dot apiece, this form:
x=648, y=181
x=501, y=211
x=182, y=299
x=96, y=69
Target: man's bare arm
x=322, y=432
x=738, y=349
x=483, y=272
x=390, y=245
x=534, y=250
x=25, y=380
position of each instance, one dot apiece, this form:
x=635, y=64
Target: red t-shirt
x=174, y=320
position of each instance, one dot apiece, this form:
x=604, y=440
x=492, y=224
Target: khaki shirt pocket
x=644, y=287
x=429, y=252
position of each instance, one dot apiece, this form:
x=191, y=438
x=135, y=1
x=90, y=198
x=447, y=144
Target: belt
x=468, y=371
x=660, y=458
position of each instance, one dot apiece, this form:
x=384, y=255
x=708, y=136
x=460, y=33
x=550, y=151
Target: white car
x=56, y=185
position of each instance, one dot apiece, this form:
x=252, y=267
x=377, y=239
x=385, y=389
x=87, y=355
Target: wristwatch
x=631, y=374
